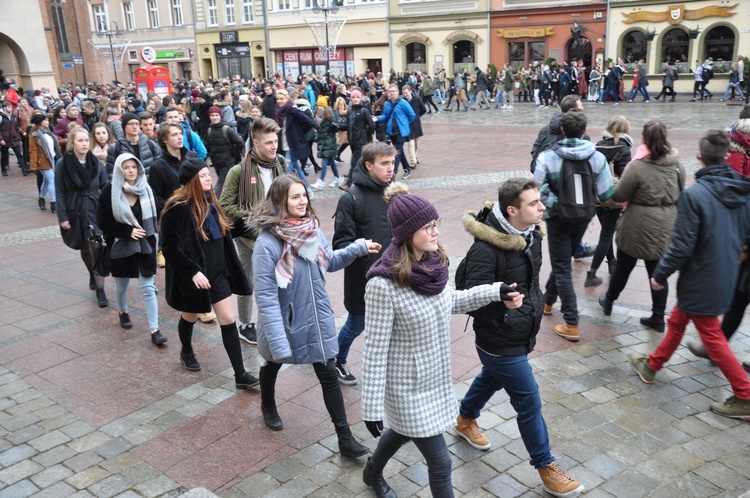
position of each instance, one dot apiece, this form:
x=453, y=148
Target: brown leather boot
x=569, y=332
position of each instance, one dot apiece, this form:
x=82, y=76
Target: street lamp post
x=327, y=6
x=109, y=34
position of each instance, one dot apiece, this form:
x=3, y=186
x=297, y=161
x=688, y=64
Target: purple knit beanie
x=407, y=212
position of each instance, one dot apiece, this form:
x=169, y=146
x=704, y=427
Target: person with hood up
x=739, y=147
x=295, y=317
x=127, y=216
x=205, y=102
x=713, y=222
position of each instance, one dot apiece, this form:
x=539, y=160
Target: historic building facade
x=690, y=31
x=523, y=32
x=430, y=35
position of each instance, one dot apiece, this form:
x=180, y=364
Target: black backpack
x=576, y=192
x=707, y=73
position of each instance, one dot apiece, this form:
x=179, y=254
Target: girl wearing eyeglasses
x=407, y=358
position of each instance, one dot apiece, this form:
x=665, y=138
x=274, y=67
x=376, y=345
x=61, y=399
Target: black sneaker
x=125, y=321
x=157, y=338
x=345, y=376
x=249, y=334
x=246, y=381
x=190, y=362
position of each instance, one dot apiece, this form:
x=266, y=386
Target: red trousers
x=715, y=342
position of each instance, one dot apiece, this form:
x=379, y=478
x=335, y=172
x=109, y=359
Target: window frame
x=247, y=8
x=212, y=11
x=128, y=15
x=283, y=5
x=61, y=31
x=229, y=7
x=643, y=46
x=177, y=14
x=152, y=7
x=99, y=24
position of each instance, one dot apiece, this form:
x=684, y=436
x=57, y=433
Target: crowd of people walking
x=134, y=171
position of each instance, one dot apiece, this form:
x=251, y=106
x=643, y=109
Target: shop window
x=537, y=52
x=517, y=51
x=720, y=44
x=416, y=57
x=675, y=45
x=634, y=47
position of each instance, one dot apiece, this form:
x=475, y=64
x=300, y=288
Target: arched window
x=720, y=43
x=675, y=46
x=415, y=53
x=634, y=46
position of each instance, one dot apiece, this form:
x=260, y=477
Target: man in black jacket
x=362, y=213
x=508, y=248
x=269, y=102
x=713, y=221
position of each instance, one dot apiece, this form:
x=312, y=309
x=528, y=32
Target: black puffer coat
x=361, y=126
x=361, y=213
x=223, y=154
x=619, y=152
x=497, y=256
x=145, y=150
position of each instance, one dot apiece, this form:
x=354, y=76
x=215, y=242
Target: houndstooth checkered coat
x=407, y=358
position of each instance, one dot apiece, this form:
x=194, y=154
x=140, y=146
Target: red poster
x=290, y=56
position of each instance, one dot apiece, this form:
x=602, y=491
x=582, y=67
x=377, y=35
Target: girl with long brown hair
x=202, y=267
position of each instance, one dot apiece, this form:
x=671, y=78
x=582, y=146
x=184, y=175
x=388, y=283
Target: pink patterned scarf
x=300, y=237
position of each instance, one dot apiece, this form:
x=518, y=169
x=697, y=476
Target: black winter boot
x=655, y=321
x=376, y=481
x=348, y=446
x=271, y=417
x=101, y=298
x=41, y=204
x=606, y=304
x=591, y=279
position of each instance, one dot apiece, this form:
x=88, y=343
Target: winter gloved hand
x=375, y=428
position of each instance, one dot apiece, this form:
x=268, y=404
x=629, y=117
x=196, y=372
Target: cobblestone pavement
x=88, y=409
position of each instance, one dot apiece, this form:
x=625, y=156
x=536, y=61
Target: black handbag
x=100, y=250
x=338, y=122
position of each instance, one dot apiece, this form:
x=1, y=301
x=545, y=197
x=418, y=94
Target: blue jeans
x=563, y=239
x=294, y=167
x=435, y=451
x=398, y=141
x=610, y=90
x=736, y=86
x=324, y=163
x=499, y=100
x=639, y=89
x=48, y=184
x=353, y=327
x=512, y=373
x=148, y=291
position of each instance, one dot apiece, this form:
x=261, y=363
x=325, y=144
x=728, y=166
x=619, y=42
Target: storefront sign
x=526, y=32
x=675, y=14
x=228, y=36
x=169, y=54
x=240, y=50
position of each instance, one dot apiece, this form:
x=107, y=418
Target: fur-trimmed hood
x=479, y=229
x=739, y=137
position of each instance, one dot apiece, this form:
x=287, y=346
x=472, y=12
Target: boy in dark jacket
x=712, y=224
x=508, y=248
x=362, y=212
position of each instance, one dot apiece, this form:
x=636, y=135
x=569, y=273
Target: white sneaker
x=319, y=184
x=504, y=107
x=310, y=194
x=337, y=182
x=510, y=107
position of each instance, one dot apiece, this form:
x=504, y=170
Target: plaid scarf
x=300, y=238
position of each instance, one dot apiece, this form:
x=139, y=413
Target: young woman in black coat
x=79, y=179
x=203, y=269
x=127, y=216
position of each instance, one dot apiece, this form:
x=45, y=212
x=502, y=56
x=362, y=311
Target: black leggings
x=429, y=102
x=329, y=383
x=625, y=265
x=608, y=220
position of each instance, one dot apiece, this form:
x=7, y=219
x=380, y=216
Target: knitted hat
x=190, y=167
x=194, y=93
x=355, y=92
x=135, y=103
x=322, y=101
x=407, y=212
x=72, y=104
x=128, y=117
x=38, y=118
x=214, y=110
